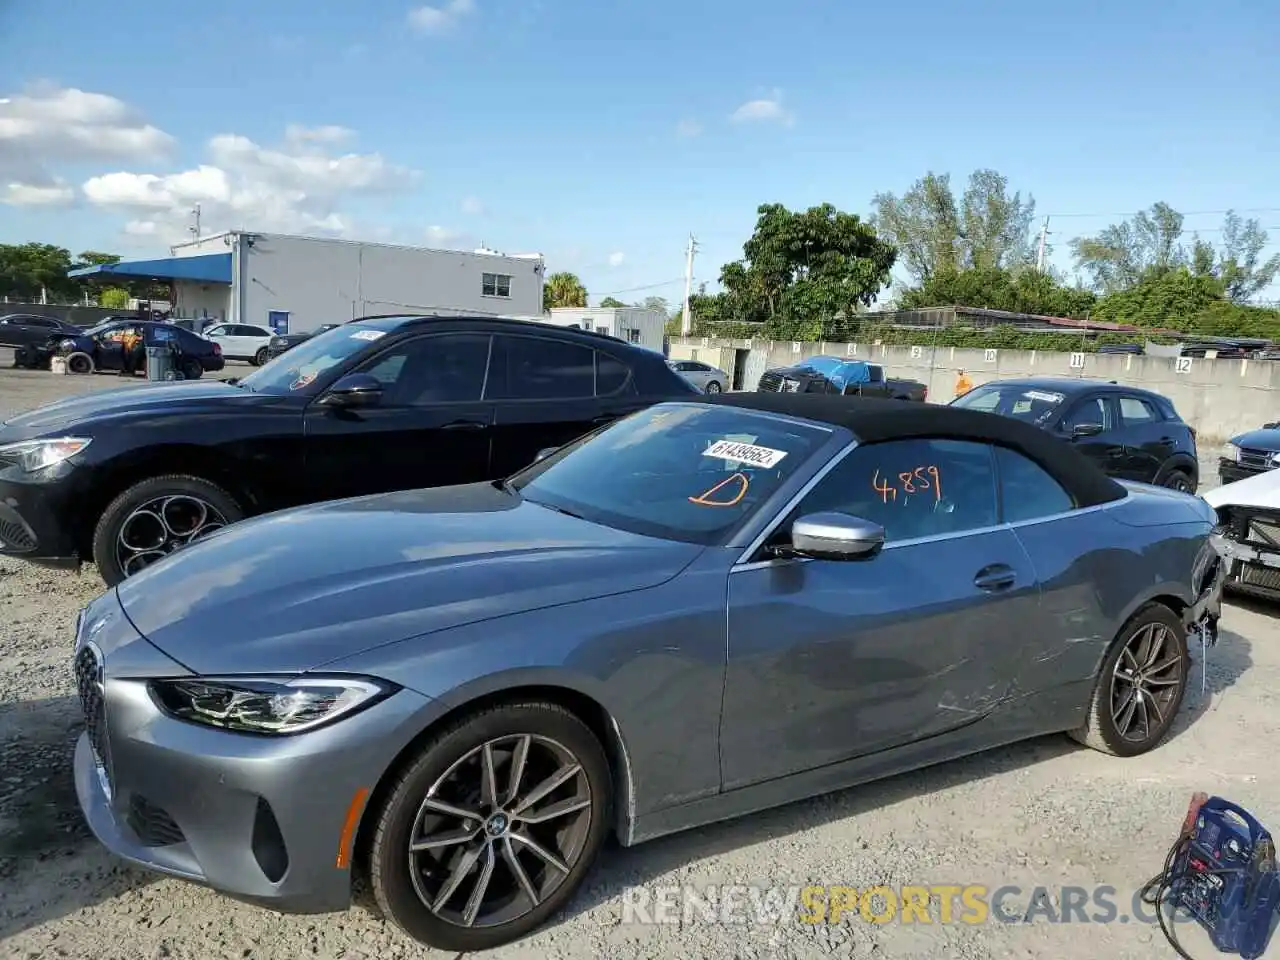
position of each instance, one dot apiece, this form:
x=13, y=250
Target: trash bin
x=161, y=362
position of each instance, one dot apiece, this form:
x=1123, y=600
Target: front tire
x=492, y=827
x=1140, y=686
x=155, y=518
x=1178, y=480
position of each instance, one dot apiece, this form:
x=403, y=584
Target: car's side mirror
x=835, y=536
x=1086, y=430
x=354, y=390
x=544, y=453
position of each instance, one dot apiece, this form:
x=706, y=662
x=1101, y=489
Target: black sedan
x=386, y=403
x=1251, y=453
x=29, y=330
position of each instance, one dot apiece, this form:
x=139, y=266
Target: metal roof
x=206, y=268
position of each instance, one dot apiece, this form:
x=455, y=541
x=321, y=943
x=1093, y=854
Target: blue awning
x=207, y=268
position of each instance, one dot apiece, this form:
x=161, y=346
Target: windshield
x=1021, y=402
x=680, y=472
x=300, y=366
x=823, y=365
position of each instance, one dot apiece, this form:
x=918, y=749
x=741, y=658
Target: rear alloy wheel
x=260, y=357
x=155, y=518
x=191, y=369
x=491, y=830
x=1140, y=686
x=1177, y=480
x=713, y=387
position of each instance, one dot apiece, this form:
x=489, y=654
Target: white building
x=295, y=284
x=633, y=324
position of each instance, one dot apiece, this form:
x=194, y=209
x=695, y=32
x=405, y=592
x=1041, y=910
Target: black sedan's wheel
x=1177, y=480
x=79, y=363
x=489, y=832
x=155, y=518
x=1140, y=686
x=260, y=357
x=191, y=369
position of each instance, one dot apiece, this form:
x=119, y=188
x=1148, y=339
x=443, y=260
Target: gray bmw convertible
x=711, y=607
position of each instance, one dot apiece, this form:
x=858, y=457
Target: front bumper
x=39, y=514
x=264, y=819
x=1229, y=471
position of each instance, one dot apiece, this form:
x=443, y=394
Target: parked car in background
x=484, y=682
x=286, y=341
x=826, y=374
x=1249, y=516
x=1250, y=453
x=1132, y=434
x=384, y=403
x=705, y=377
x=101, y=348
x=241, y=341
x=29, y=330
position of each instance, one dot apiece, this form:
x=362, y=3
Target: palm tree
x=563, y=290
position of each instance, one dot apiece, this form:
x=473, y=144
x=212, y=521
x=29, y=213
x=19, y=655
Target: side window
x=1094, y=410
x=1135, y=412
x=912, y=488
x=41, y=322
x=1027, y=491
x=217, y=331
x=448, y=368
x=536, y=368
x=612, y=375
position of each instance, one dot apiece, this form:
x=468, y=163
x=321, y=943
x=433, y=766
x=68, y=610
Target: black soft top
x=872, y=419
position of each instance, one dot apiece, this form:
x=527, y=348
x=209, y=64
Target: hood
x=1261, y=439
x=293, y=590
x=798, y=373
x=1261, y=490
x=68, y=413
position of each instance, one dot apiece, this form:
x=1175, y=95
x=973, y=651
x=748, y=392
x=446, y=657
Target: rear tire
x=191, y=369
x=157, y=517
x=452, y=768
x=1140, y=686
x=260, y=357
x=713, y=387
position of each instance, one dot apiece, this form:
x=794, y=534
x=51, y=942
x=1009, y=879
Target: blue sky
x=602, y=134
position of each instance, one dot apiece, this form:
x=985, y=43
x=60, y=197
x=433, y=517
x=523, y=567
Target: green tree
x=113, y=298
x=801, y=270
x=611, y=302
x=994, y=288
x=933, y=232
x=27, y=269
x=655, y=303
x=1240, y=266
x=563, y=290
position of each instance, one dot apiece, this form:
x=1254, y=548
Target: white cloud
x=472, y=207
x=46, y=126
x=34, y=195
x=295, y=188
x=767, y=109
x=615, y=259
x=688, y=128
x=436, y=20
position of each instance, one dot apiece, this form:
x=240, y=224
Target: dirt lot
x=1046, y=813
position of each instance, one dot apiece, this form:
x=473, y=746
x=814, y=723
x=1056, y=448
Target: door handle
x=466, y=425
x=995, y=577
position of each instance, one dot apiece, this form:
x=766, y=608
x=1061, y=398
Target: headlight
x=264, y=704
x=1232, y=452
x=32, y=455
x=790, y=386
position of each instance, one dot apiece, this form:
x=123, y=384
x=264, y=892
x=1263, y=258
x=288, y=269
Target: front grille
x=1256, y=459
x=770, y=382
x=91, y=685
x=152, y=824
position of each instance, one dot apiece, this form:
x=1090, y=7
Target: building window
x=603, y=330
x=633, y=335
x=496, y=285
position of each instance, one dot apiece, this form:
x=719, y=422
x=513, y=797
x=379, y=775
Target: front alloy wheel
x=493, y=828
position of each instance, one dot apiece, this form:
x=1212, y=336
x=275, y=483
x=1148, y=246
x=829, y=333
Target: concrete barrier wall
x=1220, y=398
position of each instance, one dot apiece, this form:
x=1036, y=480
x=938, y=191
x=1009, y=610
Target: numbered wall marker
x=1077, y=361
x=991, y=356
x=917, y=353
x=1182, y=365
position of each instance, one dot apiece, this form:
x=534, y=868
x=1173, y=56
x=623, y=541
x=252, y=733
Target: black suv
x=127, y=476
x=1132, y=434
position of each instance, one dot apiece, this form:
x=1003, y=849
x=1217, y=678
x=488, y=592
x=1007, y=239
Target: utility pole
x=1044, y=236
x=195, y=229
x=686, y=326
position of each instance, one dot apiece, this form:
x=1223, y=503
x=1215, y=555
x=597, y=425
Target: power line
x=647, y=286
x=1185, y=213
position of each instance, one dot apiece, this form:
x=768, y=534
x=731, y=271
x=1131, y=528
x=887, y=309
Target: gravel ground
x=1041, y=814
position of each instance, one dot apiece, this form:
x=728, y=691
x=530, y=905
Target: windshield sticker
x=1041, y=395
x=919, y=480
x=367, y=334
x=747, y=453
x=731, y=490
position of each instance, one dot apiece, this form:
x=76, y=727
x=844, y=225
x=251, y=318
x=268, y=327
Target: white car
x=1249, y=533
x=241, y=341
x=705, y=377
